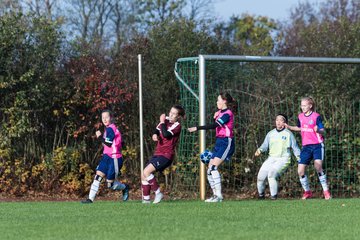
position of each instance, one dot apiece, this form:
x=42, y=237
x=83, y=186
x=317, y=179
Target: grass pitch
x=245, y=219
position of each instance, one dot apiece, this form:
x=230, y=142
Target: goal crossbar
x=200, y=97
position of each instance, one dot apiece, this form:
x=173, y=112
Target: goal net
x=262, y=88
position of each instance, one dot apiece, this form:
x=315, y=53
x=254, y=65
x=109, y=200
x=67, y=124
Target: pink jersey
x=307, y=124
x=226, y=126
x=114, y=137
x=166, y=147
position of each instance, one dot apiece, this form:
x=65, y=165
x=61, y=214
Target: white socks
x=117, y=186
x=217, y=182
x=94, y=189
x=322, y=179
x=305, y=183
x=211, y=182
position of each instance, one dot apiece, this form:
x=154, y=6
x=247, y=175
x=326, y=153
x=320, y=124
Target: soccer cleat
x=214, y=199
x=327, y=195
x=86, y=201
x=273, y=197
x=261, y=196
x=145, y=201
x=307, y=195
x=125, y=193
x=158, y=197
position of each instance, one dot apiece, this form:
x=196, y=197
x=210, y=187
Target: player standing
x=278, y=141
x=111, y=161
x=312, y=129
x=166, y=135
x=224, y=145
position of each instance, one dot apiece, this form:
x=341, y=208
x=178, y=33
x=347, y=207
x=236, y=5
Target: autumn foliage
x=58, y=72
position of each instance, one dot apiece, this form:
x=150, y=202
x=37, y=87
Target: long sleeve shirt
x=279, y=143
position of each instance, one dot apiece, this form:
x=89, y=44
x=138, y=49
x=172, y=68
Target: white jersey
x=279, y=143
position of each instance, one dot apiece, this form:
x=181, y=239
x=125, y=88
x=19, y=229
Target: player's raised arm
x=292, y=128
x=205, y=127
x=166, y=135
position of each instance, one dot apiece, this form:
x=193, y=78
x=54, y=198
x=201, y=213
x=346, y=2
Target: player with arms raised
x=166, y=135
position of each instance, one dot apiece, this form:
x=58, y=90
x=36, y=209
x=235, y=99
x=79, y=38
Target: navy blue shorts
x=224, y=148
x=312, y=152
x=160, y=163
x=107, y=166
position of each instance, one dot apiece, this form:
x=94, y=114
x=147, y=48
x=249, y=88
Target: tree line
x=62, y=62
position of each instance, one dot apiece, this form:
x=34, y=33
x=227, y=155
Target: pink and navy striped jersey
x=166, y=146
x=112, y=135
x=225, y=119
x=307, y=124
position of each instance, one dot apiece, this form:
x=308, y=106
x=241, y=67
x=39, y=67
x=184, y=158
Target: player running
x=111, y=161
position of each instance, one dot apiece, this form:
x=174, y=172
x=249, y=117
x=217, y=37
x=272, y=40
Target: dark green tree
x=29, y=56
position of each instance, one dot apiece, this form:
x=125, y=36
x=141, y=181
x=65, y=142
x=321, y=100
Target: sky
x=276, y=9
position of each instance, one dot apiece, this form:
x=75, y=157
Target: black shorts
x=160, y=163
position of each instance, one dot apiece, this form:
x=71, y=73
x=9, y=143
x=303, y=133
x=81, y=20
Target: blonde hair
x=309, y=100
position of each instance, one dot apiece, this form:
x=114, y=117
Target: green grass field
x=245, y=219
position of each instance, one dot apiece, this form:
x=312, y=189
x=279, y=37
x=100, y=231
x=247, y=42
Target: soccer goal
x=263, y=87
